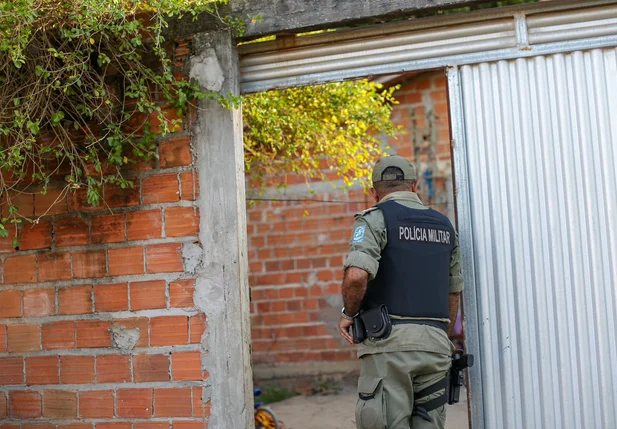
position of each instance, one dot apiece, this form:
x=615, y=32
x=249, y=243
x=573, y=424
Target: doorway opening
x=298, y=239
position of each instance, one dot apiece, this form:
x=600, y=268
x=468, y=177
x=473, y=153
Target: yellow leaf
x=91, y=41
x=125, y=160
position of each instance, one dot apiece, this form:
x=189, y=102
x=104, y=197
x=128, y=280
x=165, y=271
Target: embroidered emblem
x=358, y=234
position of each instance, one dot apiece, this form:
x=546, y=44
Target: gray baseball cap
x=407, y=170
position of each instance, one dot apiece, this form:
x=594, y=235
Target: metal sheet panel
x=457, y=39
x=537, y=154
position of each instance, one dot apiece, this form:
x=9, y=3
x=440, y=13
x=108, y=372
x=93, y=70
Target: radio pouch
x=377, y=323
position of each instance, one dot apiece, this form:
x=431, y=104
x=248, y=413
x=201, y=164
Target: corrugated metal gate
x=538, y=161
x=533, y=102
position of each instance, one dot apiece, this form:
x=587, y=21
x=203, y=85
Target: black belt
x=433, y=323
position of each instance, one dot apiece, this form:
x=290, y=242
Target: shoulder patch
x=358, y=234
x=362, y=213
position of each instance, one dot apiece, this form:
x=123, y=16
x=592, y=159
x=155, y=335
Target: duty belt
x=434, y=323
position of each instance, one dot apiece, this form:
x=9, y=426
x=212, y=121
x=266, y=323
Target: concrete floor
x=337, y=411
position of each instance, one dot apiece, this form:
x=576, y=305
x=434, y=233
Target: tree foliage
x=298, y=130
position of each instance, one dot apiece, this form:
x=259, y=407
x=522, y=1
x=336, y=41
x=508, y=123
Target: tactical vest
x=413, y=276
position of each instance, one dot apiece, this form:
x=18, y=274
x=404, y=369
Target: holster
x=460, y=361
x=377, y=323
x=358, y=331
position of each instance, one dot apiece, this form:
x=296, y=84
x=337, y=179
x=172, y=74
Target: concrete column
x=222, y=279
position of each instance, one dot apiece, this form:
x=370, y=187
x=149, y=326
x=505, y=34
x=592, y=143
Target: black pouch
x=358, y=331
x=377, y=323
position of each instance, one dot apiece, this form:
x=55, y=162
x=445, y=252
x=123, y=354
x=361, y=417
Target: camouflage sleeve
x=456, y=276
x=367, y=241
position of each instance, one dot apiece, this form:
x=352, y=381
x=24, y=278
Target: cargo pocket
x=370, y=407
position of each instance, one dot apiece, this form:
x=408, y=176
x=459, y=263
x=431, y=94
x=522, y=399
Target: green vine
x=80, y=83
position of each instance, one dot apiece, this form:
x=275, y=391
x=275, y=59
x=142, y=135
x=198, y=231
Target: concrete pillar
x=222, y=279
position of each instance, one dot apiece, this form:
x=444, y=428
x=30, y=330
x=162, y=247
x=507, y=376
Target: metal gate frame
x=438, y=42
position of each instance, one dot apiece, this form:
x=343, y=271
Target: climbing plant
x=82, y=82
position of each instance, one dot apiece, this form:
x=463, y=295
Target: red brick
x=2, y=339
x=59, y=336
x=96, y=404
x=134, y=403
x=24, y=338
x=93, y=333
x=113, y=369
x=113, y=297
x=75, y=300
x=24, y=203
x=190, y=186
x=198, y=402
x=10, y=304
x=42, y=370
x=9, y=426
x=170, y=114
x=108, y=229
x=54, y=202
x=59, y=404
x=116, y=197
x=24, y=405
x=11, y=371
x=89, y=264
x=164, y=258
x=148, y=295
x=140, y=323
x=71, y=232
x=181, y=293
x=3, y=406
x=173, y=402
x=78, y=202
x=114, y=425
x=181, y=221
x=55, y=266
x=77, y=369
x=38, y=426
x=76, y=426
x=189, y=425
x=39, y=302
x=126, y=261
x=151, y=425
x=6, y=243
x=150, y=368
x=186, y=366
x=36, y=236
x=144, y=225
x=169, y=331
x=162, y=188
x=175, y=152
x=198, y=327
x=20, y=269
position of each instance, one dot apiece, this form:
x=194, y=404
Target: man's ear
x=414, y=186
x=373, y=193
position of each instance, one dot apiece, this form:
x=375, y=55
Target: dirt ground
x=337, y=411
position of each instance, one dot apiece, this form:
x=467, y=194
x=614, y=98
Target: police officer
x=404, y=256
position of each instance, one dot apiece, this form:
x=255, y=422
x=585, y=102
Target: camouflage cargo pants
x=387, y=385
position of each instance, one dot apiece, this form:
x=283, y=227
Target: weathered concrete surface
x=280, y=16
x=221, y=290
x=337, y=411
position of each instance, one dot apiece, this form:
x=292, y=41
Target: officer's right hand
x=343, y=327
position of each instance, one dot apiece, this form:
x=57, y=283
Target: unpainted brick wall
x=97, y=322
x=297, y=248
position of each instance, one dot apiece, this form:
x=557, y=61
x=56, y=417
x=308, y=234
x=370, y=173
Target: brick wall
x=97, y=322
x=297, y=242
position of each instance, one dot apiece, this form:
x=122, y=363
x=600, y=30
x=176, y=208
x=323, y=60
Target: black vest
x=414, y=272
